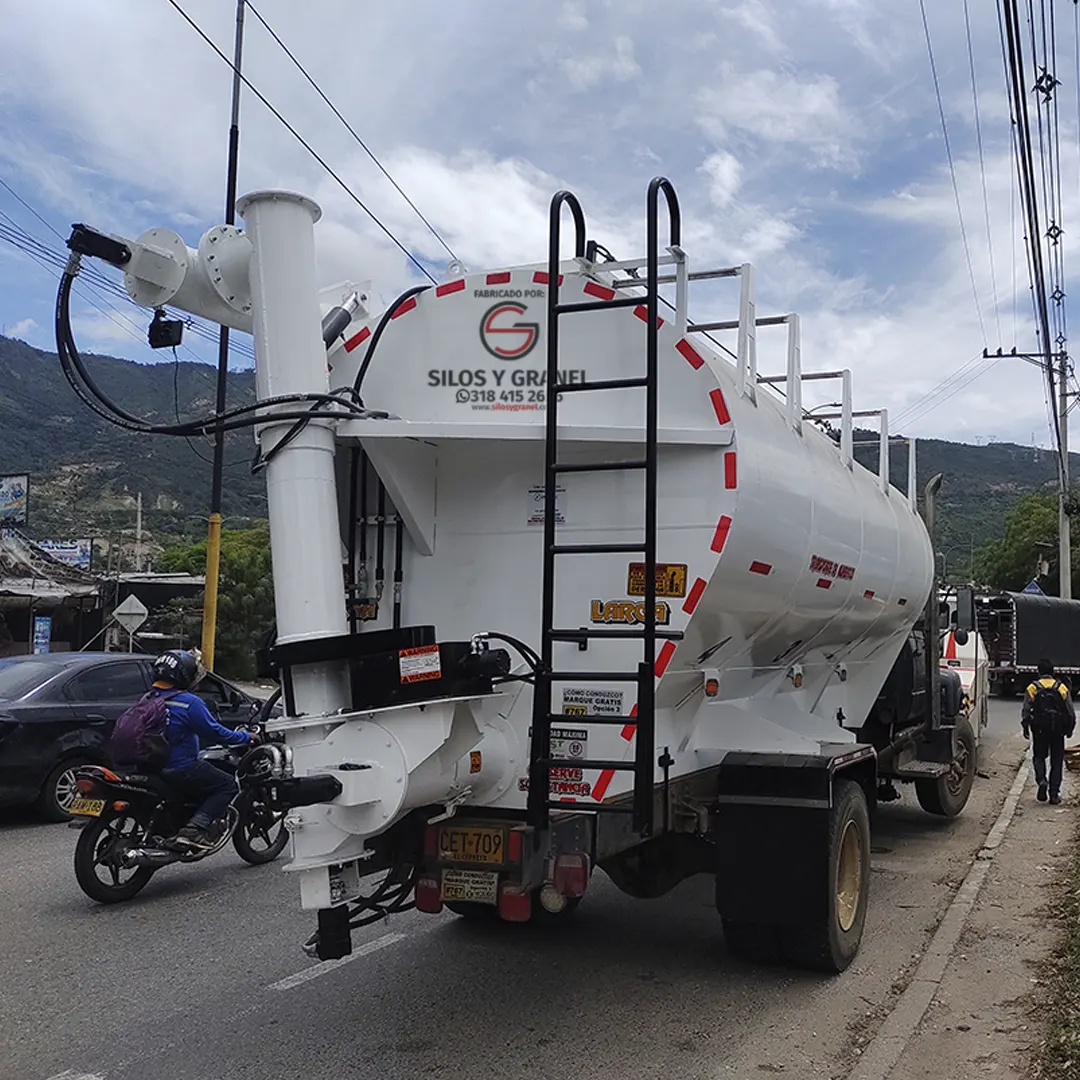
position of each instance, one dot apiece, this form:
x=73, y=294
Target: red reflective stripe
x=869, y=594
x=450, y=287
x=358, y=339
x=629, y=729
x=824, y=583
x=723, y=527
x=541, y=278
x=601, y=292
x=602, y=784
x=760, y=568
x=686, y=350
x=498, y=279
x=720, y=405
x=642, y=312
x=662, y=661
x=406, y=307
x=691, y=602
x=730, y=476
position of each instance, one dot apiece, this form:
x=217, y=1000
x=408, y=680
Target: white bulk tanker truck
x=562, y=583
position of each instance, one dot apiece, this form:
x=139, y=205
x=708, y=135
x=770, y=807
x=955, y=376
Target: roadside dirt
x=988, y=1018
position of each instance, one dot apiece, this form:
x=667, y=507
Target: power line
x=952, y=169
x=982, y=167
x=304, y=143
x=351, y=130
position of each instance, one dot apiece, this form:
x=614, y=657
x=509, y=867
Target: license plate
x=477, y=886
x=87, y=807
x=472, y=844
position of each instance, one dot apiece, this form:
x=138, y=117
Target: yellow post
x=213, y=562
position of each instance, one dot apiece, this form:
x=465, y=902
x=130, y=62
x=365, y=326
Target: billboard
x=73, y=552
x=14, y=496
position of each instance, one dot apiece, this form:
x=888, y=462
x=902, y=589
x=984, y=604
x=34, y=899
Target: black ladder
x=541, y=762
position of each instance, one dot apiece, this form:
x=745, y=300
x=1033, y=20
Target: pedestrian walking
x=1048, y=719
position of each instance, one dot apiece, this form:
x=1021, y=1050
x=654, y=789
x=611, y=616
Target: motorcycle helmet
x=179, y=668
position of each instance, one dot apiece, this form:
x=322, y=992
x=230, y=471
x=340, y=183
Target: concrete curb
x=884, y=1050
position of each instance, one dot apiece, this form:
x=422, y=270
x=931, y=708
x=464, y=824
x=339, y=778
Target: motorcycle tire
x=259, y=856
x=87, y=859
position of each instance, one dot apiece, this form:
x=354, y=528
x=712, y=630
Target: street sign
x=1033, y=587
x=131, y=614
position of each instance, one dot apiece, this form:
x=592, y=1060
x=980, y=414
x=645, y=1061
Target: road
x=180, y=983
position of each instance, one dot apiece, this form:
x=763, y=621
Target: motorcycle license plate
x=472, y=844
x=87, y=807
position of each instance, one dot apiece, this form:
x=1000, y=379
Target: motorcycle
x=133, y=815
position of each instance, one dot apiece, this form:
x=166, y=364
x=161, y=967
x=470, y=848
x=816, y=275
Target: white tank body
x=796, y=563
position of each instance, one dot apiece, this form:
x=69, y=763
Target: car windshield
x=19, y=677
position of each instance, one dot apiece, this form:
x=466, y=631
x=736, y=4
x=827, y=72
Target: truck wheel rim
x=849, y=877
x=957, y=771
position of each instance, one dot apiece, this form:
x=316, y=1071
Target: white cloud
x=586, y=72
x=21, y=328
x=801, y=135
x=724, y=172
x=572, y=16
x=777, y=107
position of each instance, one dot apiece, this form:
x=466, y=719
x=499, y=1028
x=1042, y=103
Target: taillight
x=431, y=834
x=515, y=904
x=427, y=896
x=513, y=846
x=572, y=873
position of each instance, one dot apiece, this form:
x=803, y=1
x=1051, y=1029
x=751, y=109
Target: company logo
x=505, y=337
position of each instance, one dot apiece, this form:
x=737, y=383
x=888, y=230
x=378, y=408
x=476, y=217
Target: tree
x=245, y=596
x=1030, y=535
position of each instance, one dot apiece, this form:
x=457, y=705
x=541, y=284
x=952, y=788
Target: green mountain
x=86, y=473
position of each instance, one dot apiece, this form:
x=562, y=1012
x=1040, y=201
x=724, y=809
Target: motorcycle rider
x=190, y=725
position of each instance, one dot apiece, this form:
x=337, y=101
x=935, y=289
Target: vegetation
x=245, y=598
x=1030, y=537
x=1059, y=1055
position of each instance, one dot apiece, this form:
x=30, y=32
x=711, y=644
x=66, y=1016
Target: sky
x=802, y=135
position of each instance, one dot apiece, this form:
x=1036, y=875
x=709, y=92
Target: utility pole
x=213, y=539
x=138, y=534
x=1064, y=532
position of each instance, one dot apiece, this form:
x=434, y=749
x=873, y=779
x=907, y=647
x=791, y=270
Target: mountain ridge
x=86, y=473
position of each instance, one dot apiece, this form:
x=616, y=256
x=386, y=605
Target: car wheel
x=59, y=790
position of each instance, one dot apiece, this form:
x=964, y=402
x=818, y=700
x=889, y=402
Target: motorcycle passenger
x=190, y=725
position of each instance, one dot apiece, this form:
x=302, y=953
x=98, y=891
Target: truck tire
x=831, y=944
x=948, y=795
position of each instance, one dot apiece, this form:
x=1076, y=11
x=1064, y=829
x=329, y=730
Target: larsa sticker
x=626, y=611
x=419, y=665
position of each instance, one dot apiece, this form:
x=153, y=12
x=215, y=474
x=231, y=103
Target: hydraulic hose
x=387, y=315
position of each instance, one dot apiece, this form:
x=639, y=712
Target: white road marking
x=73, y=1074
x=312, y=973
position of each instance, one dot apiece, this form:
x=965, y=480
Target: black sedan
x=57, y=711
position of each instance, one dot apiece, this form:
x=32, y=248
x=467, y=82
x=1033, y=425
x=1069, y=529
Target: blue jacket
x=190, y=720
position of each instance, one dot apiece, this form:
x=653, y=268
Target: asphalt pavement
x=201, y=977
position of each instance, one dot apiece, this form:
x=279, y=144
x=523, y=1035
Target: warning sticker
x=419, y=665
x=560, y=785
x=476, y=761
x=670, y=579
x=582, y=701
x=536, y=505
x=568, y=742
